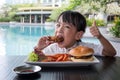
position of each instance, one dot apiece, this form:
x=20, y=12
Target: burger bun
x=81, y=54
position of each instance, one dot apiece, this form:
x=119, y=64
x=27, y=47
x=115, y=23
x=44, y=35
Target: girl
x=71, y=26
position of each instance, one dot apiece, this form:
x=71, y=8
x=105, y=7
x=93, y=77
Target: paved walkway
x=116, y=44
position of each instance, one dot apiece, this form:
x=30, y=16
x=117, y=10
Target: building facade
x=37, y=14
x=13, y=2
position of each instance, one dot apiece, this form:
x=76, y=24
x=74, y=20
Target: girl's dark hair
x=74, y=18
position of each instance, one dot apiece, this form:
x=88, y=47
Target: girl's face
x=68, y=32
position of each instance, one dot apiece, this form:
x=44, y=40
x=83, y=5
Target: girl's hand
x=95, y=31
x=43, y=42
x=108, y=49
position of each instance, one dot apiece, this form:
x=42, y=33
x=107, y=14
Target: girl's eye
x=67, y=26
x=57, y=25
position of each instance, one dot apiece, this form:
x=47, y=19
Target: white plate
x=63, y=64
x=27, y=69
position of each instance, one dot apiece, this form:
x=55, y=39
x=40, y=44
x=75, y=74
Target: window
x=44, y=1
x=50, y=1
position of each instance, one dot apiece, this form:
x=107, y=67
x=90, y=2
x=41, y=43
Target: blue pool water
x=20, y=40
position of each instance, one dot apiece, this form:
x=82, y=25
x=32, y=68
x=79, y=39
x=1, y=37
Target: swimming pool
x=21, y=39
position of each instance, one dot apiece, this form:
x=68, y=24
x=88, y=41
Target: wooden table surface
x=107, y=69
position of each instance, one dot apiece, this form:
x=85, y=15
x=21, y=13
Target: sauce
x=27, y=71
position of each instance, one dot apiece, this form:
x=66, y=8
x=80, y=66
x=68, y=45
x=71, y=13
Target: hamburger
x=81, y=54
x=56, y=38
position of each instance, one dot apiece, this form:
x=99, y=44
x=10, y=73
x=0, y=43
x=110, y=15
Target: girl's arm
x=108, y=49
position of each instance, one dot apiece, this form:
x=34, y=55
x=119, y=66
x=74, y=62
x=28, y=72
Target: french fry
x=57, y=55
x=45, y=60
x=52, y=56
x=56, y=58
x=65, y=57
x=59, y=58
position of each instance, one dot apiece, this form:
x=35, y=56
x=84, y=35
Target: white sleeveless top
x=54, y=48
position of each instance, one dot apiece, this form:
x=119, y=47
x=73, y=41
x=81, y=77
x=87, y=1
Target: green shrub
x=115, y=30
x=49, y=20
x=98, y=22
x=5, y=19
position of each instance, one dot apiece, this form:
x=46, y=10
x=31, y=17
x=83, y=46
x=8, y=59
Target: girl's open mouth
x=59, y=39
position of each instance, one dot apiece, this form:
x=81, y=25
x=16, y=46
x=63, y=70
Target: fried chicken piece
x=56, y=38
